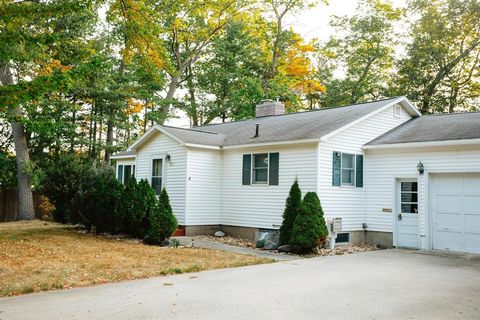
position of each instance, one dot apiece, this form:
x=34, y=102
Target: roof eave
x=441, y=143
x=263, y=144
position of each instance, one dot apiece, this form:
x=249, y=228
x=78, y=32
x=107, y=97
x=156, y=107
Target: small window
x=409, y=197
x=343, y=237
x=260, y=168
x=124, y=172
x=348, y=169
x=397, y=109
x=157, y=174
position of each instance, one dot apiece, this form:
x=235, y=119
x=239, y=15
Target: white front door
x=456, y=212
x=406, y=213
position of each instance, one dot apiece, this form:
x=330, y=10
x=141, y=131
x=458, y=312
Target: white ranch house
x=395, y=177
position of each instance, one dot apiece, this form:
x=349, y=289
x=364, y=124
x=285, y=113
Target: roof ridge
x=301, y=112
x=449, y=113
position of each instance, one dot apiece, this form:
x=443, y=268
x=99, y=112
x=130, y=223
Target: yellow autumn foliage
x=134, y=107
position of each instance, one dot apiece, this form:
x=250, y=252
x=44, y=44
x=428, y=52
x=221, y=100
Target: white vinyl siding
x=383, y=166
x=204, y=187
x=261, y=206
x=174, y=171
x=348, y=202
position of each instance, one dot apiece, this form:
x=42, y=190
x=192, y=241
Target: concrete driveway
x=389, y=284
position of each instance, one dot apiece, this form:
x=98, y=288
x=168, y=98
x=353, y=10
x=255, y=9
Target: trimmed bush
x=292, y=208
x=135, y=207
x=163, y=222
x=146, y=208
x=96, y=201
x=127, y=204
x=309, y=229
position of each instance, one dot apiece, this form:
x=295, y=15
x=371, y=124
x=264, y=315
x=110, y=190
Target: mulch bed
x=339, y=250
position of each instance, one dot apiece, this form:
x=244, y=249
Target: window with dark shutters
x=263, y=166
x=347, y=169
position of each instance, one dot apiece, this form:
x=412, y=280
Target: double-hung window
x=260, y=168
x=157, y=175
x=347, y=169
x=124, y=172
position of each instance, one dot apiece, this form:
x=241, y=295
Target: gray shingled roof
x=456, y=126
x=288, y=127
x=197, y=135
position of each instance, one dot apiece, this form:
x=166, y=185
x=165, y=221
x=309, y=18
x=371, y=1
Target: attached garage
x=455, y=207
x=423, y=183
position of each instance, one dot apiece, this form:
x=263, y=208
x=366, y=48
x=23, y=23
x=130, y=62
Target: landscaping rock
x=270, y=245
x=260, y=244
x=219, y=234
x=285, y=248
x=79, y=227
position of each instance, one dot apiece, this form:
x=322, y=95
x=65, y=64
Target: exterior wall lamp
x=420, y=167
x=167, y=158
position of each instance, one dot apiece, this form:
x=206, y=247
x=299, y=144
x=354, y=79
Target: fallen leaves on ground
x=37, y=256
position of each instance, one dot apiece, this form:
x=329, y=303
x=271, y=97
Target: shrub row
x=91, y=195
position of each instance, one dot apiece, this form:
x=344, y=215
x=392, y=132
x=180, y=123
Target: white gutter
x=129, y=156
x=463, y=142
x=203, y=146
x=263, y=144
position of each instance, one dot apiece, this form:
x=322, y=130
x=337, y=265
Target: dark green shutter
x=273, y=173
x=359, y=171
x=120, y=173
x=246, y=169
x=336, y=169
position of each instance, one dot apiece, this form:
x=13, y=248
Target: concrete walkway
x=204, y=243
x=387, y=284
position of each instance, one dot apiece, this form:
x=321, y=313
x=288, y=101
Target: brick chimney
x=269, y=108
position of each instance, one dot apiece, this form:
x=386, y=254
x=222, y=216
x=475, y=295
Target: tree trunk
x=109, y=139
x=170, y=93
x=26, y=210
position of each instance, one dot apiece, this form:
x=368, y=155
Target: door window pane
x=409, y=208
x=409, y=186
x=409, y=197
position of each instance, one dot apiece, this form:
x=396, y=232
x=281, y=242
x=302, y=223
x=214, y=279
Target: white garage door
x=456, y=212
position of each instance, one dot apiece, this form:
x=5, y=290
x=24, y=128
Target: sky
x=310, y=23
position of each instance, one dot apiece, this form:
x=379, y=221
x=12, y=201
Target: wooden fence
x=9, y=205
